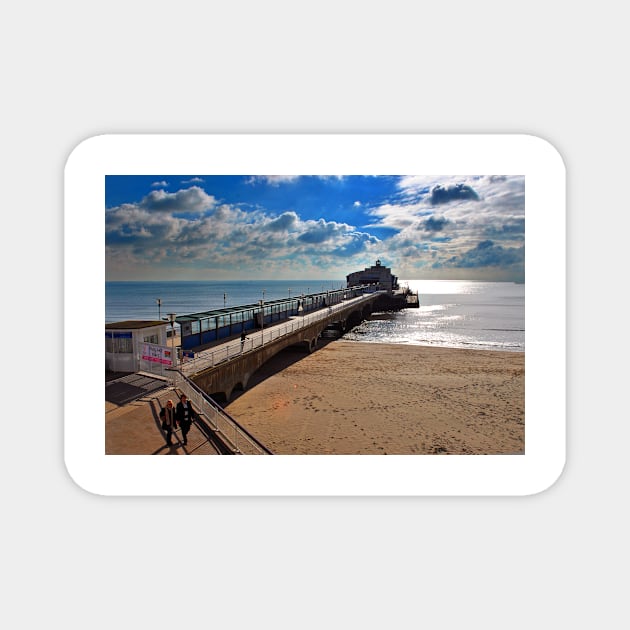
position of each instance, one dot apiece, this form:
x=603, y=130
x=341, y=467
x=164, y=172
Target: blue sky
x=209, y=227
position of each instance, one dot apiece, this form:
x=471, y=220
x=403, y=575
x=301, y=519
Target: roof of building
x=228, y=310
x=134, y=324
x=239, y=309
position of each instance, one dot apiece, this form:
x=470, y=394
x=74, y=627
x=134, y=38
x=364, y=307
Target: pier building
x=378, y=275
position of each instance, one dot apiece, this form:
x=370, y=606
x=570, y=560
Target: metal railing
x=231, y=350
x=235, y=437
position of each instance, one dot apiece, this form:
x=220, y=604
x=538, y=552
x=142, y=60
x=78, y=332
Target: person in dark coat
x=184, y=416
x=168, y=416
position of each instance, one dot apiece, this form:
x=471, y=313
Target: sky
x=241, y=227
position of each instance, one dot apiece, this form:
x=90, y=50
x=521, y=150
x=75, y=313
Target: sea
x=451, y=313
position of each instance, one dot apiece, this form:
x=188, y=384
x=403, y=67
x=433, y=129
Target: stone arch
x=221, y=398
x=354, y=319
x=246, y=378
x=239, y=387
x=305, y=344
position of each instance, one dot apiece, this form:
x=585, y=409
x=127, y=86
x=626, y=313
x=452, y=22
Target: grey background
x=73, y=70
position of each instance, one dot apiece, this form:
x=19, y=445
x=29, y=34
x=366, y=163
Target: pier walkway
x=232, y=349
x=220, y=370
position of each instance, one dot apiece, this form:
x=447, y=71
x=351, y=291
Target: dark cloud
x=513, y=229
x=284, y=222
x=435, y=224
x=487, y=254
x=458, y=192
x=321, y=231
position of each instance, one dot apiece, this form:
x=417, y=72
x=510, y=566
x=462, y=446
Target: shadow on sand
x=276, y=364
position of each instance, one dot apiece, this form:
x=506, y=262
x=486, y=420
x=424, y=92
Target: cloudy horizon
x=294, y=227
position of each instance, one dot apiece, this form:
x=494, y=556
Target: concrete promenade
x=133, y=428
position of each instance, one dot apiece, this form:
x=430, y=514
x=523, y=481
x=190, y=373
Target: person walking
x=184, y=415
x=243, y=337
x=168, y=416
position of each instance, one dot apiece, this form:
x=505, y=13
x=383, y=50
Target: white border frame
x=310, y=475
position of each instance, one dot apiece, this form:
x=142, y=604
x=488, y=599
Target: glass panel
x=123, y=346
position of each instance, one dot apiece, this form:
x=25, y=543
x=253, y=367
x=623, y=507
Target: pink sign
x=157, y=354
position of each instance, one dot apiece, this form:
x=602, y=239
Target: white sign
x=157, y=354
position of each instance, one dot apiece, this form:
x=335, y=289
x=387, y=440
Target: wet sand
x=368, y=398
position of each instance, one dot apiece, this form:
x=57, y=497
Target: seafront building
x=377, y=275
x=138, y=345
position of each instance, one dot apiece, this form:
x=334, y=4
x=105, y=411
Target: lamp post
x=261, y=303
x=159, y=303
x=171, y=318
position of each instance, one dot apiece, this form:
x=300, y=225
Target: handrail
x=236, y=437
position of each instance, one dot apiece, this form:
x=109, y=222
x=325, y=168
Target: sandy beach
x=368, y=398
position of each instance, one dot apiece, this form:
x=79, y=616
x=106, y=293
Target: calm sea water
x=456, y=314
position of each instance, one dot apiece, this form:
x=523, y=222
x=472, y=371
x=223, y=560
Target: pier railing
x=228, y=351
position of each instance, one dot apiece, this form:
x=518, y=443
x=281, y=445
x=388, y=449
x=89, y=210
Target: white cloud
x=193, y=199
x=190, y=228
x=395, y=216
x=276, y=180
x=187, y=227
x=273, y=180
